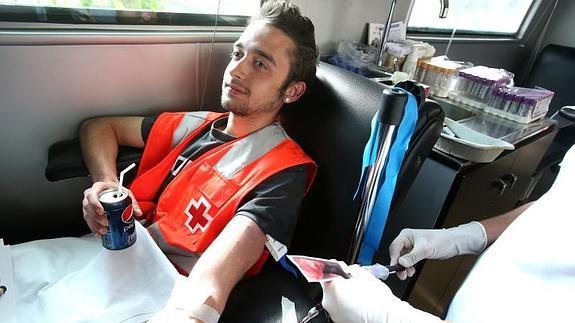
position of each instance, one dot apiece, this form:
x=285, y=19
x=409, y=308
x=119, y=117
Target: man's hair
x=287, y=17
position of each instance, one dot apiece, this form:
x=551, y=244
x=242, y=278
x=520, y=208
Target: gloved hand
x=412, y=246
x=365, y=299
x=187, y=304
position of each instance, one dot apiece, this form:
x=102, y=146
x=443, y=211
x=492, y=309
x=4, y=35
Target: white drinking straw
x=122, y=176
x=449, y=43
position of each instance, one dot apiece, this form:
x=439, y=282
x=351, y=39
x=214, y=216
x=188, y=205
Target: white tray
x=469, y=144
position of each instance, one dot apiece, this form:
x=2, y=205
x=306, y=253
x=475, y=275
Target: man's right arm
x=99, y=139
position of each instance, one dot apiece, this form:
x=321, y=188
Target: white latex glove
x=365, y=299
x=187, y=304
x=412, y=246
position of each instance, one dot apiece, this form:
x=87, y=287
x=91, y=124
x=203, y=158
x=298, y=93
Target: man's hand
x=100, y=138
x=94, y=211
x=412, y=246
x=364, y=299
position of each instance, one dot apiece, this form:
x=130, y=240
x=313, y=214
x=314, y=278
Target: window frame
x=523, y=30
x=85, y=18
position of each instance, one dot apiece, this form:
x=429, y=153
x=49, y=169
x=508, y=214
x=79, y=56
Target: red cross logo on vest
x=197, y=212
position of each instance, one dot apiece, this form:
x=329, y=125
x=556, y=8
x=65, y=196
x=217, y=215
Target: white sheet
x=77, y=280
x=8, y=300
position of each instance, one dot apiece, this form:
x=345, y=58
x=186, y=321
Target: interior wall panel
x=47, y=90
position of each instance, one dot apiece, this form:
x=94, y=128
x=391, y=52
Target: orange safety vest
x=204, y=196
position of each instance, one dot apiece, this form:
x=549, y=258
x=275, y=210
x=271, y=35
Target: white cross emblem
x=198, y=217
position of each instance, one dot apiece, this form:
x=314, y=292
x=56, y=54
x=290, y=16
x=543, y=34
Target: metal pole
x=389, y=116
x=370, y=192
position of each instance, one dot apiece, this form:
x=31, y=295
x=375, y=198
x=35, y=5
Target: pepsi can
x=121, y=227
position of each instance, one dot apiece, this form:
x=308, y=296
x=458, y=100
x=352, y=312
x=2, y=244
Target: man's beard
x=242, y=109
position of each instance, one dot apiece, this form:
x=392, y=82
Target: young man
x=215, y=188
x=527, y=275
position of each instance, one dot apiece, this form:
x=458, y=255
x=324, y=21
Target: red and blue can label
x=121, y=227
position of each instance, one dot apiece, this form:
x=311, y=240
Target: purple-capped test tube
x=528, y=107
x=477, y=86
x=492, y=103
x=462, y=86
x=507, y=99
x=500, y=98
x=517, y=100
x=489, y=84
x=470, y=83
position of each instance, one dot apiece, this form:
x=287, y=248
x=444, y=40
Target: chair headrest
x=331, y=122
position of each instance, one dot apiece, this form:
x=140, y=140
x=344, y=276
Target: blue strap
x=286, y=265
x=369, y=155
x=376, y=225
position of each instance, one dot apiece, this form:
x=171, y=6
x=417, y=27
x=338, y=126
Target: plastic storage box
x=474, y=85
x=519, y=104
x=439, y=73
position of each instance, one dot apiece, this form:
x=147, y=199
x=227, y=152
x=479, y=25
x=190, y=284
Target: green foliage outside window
x=152, y=5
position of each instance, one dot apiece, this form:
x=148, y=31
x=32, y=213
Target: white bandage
x=191, y=299
x=204, y=313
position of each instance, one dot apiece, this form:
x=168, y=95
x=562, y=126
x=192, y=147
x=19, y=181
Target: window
x=154, y=12
x=491, y=17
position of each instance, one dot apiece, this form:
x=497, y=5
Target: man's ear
x=294, y=91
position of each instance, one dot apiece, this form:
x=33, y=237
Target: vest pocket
x=215, y=187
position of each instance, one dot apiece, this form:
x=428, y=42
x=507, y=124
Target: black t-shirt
x=274, y=204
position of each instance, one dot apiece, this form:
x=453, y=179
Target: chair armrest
x=259, y=298
x=65, y=160
x=565, y=117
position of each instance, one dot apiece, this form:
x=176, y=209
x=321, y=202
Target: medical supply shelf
x=450, y=191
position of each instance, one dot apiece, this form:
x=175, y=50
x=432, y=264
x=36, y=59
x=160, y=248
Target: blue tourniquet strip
x=369, y=155
x=376, y=225
x=287, y=266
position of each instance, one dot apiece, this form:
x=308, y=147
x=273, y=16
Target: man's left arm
x=201, y=297
x=228, y=258
x=270, y=208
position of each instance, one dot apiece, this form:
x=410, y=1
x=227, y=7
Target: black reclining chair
x=332, y=124
x=554, y=70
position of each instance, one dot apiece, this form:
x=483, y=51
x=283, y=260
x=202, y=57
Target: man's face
x=258, y=68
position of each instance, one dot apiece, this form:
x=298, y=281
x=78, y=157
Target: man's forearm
x=495, y=226
x=225, y=262
x=99, y=149
x=100, y=138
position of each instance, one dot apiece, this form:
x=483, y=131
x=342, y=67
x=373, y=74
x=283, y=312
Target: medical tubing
x=392, y=105
x=395, y=268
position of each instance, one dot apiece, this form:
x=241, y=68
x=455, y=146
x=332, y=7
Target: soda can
x=121, y=227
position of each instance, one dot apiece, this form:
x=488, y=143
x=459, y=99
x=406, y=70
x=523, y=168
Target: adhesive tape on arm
x=190, y=298
x=204, y=313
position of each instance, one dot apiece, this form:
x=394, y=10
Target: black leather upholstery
x=258, y=299
x=332, y=124
x=554, y=70
x=65, y=160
